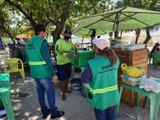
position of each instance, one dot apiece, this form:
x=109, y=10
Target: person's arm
x=86, y=74
x=47, y=57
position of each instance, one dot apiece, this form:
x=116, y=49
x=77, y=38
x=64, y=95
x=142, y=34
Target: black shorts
x=64, y=71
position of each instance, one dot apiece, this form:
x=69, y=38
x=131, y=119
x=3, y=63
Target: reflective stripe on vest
x=37, y=63
x=102, y=90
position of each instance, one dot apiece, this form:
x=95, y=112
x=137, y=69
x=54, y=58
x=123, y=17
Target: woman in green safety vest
x=101, y=74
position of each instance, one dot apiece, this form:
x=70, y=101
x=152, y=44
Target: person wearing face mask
x=42, y=71
x=63, y=60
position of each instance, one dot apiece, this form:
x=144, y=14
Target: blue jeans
x=46, y=85
x=107, y=114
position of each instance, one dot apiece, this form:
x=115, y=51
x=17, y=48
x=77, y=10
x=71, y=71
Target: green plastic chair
x=156, y=58
x=5, y=95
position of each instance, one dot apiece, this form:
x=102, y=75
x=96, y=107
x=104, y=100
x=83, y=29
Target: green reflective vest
x=102, y=90
x=61, y=56
x=38, y=66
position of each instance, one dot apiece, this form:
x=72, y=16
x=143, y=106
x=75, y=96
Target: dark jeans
x=107, y=114
x=46, y=85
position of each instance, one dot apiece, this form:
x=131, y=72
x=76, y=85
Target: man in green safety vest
x=101, y=74
x=42, y=71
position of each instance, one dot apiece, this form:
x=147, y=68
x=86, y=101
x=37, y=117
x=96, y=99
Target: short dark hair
x=67, y=31
x=17, y=38
x=39, y=28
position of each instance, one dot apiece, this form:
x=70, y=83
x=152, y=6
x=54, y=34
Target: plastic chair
x=14, y=65
x=156, y=58
x=5, y=95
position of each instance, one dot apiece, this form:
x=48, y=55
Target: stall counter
x=132, y=58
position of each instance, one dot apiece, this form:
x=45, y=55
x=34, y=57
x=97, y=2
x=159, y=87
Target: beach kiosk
x=132, y=57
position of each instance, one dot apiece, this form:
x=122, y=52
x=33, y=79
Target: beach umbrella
x=84, y=32
x=89, y=31
x=126, y=18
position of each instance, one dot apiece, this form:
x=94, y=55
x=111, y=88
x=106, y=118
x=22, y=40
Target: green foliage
x=52, y=12
x=146, y=4
x=5, y=20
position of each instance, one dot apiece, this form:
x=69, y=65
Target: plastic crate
x=82, y=58
x=129, y=80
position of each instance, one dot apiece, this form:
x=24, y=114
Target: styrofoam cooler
x=135, y=47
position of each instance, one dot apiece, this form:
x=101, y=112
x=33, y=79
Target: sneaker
x=63, y=97
x=46, y=115
x=58, y=115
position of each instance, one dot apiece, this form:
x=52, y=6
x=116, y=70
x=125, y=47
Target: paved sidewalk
x=26, y=107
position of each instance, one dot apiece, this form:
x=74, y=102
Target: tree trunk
x=137, y=35
x=10, y=35
x=59, y=27
x=116, y=34
x=60, y=24
x=148, y=37
x=56, y=33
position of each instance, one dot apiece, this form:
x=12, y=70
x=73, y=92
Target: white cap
x=101, y=42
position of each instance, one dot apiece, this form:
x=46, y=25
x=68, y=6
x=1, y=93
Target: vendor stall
x=137, y=57
x=79, y=60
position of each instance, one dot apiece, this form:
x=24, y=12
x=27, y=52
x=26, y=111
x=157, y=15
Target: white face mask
x=46, y=36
